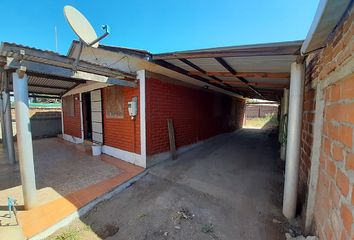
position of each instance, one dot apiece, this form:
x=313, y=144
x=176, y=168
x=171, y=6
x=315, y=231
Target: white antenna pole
x=56, y=38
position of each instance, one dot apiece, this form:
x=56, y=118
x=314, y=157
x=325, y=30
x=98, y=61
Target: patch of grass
x=70, y=234
x=208, y=228
x=268, y=120
x=141, y=216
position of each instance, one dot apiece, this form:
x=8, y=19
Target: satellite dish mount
x=84, y=30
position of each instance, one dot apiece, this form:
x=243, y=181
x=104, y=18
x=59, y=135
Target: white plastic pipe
x=285, y=112
x=3, y=138
x=8, y=127
x=24, y=141
x=293, y=140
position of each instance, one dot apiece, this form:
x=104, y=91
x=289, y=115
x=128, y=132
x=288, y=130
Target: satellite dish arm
x=77, y=59
x=81, y=45
x=107, y=31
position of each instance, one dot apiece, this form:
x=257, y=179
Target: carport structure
x=263, y=71
x=253, y=71
x=30, y=72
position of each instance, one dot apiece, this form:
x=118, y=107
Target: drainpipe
x=24, y=139
x=284, y=123
x=293, y=140
x=8, y=127
x=6, y=104
x=3, y=138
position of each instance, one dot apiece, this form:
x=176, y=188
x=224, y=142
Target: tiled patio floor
x=67, y=178
x=60, y=167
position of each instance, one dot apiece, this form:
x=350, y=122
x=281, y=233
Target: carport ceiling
x=255, y=71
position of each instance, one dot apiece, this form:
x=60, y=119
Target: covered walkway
x=229, y=188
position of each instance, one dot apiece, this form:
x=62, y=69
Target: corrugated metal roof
x=44, y=81
x=51, y=86
x=261, y=59
x=257, y=58
x=329, y=13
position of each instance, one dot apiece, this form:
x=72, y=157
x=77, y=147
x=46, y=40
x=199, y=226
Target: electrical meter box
x=133, y=107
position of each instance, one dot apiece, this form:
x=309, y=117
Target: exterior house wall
x=331, y=67
x=197, y=114
x=72, y=124
x=123, y=133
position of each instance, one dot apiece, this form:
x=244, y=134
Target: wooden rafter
x=202, y=71
x=257, y=84
x=242, y=74
x=234, y=72
x=180, y=70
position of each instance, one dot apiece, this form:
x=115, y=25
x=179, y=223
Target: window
x=68, y=106
x=114, y=102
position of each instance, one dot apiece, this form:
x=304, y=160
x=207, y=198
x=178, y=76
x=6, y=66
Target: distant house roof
x=130, y=51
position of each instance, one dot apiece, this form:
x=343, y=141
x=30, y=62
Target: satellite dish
x=80, y=25
x=83, y=29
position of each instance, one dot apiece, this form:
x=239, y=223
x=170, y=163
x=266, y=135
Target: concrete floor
x=230, y=188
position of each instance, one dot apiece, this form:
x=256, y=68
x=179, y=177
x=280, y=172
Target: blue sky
x=160, y=25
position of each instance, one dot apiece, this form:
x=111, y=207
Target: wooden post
x=171, y=136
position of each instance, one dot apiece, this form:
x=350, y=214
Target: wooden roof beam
x=275, y=85
x=180, y=70
x=233, y=72
x=202, y=71
x=242, y=74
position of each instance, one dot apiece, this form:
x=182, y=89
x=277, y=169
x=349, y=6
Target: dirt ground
x=230, y=188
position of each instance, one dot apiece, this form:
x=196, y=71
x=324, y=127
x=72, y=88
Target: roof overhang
x=253, y=71
x=53, y=74
x=328, y=15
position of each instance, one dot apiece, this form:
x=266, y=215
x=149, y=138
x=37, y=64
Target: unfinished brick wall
x=119, y=133
x=334, y=207
x=72, y=124
x=335, y=197
x=308, y=116
x=197, y=114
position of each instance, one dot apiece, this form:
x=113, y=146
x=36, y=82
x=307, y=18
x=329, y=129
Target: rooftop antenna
x=56, y=38
x=83, y=29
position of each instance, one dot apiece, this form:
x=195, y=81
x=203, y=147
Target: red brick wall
x=334, y=207
x=72, y=124
x=119, y=133
x=308, y=116
x=335, y=196
x=197, y=114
